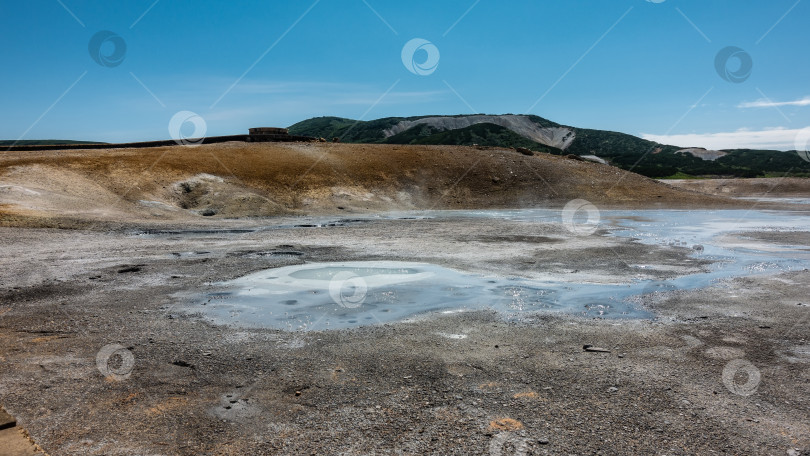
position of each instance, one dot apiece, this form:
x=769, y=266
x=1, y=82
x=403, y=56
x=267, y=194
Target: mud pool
x=336, y=295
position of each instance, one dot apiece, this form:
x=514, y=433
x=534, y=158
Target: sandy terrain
x=464, y=383
x=70, y=188
x=760, y=187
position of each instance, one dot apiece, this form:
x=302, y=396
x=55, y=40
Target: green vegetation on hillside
x=619, y=149
x=347, y=130
x=484, y=134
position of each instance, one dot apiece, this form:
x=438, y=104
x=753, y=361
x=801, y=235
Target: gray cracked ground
x=451, y=384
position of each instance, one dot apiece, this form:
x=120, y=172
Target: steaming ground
x=466, y=383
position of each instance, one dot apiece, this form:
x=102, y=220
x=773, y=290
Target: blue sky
x=636, y=66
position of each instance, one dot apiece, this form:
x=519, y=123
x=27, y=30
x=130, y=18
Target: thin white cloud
x=765, y=103
x=771, y=139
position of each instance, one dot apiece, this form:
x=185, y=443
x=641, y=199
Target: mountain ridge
x=619, y=149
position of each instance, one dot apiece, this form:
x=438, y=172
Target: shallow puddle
x=349, y=294
x=343, y=295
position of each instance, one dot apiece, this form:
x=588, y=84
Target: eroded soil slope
x=242, y=180
x=760, y=187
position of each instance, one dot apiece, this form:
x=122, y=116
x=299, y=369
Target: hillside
x=484, y=134
x=42, y=142
x=619, y=149
x=236, y=179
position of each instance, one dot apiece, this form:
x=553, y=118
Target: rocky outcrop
x=594, y=159
x=703, y=154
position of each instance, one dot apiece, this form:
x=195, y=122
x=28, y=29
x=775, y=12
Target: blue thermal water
x=319, y=296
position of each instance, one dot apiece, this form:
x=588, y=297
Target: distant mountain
x=43, y=142
x=536, y=133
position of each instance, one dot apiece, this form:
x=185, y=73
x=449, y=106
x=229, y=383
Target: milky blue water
x=319, y=296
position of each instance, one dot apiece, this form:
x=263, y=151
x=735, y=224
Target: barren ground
x=468, y=383
x=758, y=187
x=75, y=187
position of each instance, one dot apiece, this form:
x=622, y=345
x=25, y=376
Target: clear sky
x=653, y=68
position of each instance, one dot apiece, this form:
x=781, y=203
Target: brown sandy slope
x=761, y=187
x=265, y=179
